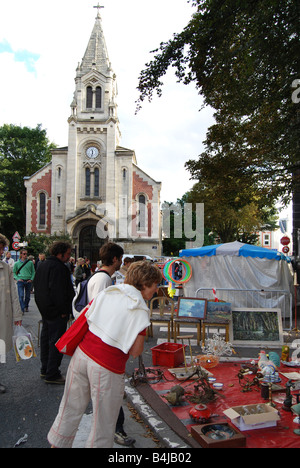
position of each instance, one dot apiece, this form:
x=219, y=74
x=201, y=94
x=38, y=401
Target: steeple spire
x=96, y=55
x=96, y=85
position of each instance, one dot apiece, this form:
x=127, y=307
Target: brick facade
x=141, y=186
x=39, y=183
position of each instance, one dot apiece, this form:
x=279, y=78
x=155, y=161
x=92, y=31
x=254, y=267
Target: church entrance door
x=89, y=244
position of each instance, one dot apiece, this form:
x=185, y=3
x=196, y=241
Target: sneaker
x=121, y=438
x=59, y=381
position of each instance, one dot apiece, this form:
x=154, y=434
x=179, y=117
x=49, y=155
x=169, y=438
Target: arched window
x=42, y=210
x=98, y=97
x=96, y=182
x=87, y=182
x=142, y=213
x=125, y=181
x=89, y=97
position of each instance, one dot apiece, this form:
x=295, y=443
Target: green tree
x=173, y=244
x=23, y=151
x=236, y=205
x=229, y=219
x=40, y=243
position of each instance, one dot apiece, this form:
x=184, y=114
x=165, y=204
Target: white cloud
x=164, y=134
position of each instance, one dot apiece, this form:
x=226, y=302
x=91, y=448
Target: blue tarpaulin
x=233, y=248
x=240, y=267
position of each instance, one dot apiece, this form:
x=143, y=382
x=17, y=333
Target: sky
x=41, y=44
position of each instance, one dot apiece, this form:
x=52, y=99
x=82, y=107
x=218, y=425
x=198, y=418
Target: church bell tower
x=93, y=126
x=93, y=188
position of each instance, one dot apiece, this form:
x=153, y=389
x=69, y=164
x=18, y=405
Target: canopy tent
x=238, y=268
x=234, y=248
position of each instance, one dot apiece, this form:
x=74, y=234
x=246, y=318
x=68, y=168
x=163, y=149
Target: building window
x=142, y=213
x=98, y=97
x=266, y=240
x=42, y=210
x=87, y=182
x=96, y=182
x=89, y=97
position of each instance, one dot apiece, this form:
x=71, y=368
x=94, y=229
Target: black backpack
x=81, y=300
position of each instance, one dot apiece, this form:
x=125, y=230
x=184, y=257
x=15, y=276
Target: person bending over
x=117, y=319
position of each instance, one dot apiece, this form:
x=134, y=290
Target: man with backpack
x=111, y=256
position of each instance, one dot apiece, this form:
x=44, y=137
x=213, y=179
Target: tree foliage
x=243, y=56
x=230, y=219
x=172, y=244
x=23, y=151
x=41, y=243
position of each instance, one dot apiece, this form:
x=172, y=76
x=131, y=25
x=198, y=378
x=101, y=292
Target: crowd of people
x=117, y=319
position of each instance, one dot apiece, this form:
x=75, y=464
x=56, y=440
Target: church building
x=93, y=188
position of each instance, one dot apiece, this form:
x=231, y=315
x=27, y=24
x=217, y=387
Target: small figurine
x=265, y=365
x=287, y=404
x=263, y=360
x=273, y=357
x=285, y=353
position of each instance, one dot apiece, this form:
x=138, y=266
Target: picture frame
x=218, y=311
x=256, y=327
x=192, y=307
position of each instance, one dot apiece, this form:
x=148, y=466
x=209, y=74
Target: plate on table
x=291, y=363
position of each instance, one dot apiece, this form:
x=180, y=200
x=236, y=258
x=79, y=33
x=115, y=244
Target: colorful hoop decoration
x=186, y=274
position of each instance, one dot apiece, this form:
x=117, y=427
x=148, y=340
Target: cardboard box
x=234, y=440
x=267, y=418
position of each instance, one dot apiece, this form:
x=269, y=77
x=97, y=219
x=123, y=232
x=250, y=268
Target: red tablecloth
x=280, y=436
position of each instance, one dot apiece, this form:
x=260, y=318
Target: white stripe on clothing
x=88, y=380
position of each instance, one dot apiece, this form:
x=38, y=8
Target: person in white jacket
x=10, y=310
x=117, y=319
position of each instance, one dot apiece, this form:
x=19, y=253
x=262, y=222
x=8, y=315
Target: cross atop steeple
x=98, y=8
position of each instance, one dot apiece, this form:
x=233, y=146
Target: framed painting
x=256, y=327
x=192, y=307
x=218, y=311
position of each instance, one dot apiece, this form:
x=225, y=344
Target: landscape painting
x=256, y=327
x=192, y=307
x=218, y=311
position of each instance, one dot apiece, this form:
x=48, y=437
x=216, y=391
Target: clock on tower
x=92, y=152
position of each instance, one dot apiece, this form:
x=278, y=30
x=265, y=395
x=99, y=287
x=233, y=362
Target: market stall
x=277, y=433
x=250, y=403
x=245, y=275
x=218, y=399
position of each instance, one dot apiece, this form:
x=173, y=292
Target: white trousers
x=86, y=380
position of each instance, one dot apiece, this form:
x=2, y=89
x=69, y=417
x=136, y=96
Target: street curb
x=161, y=430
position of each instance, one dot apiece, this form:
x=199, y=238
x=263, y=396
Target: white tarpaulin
x=240, y=267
